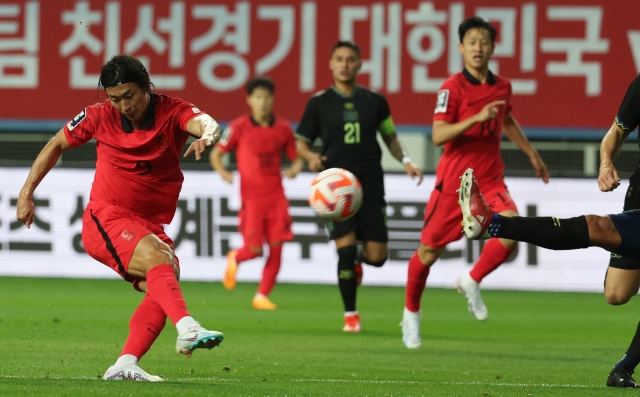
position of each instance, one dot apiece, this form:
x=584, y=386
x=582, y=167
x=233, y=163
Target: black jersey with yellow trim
x=347, y=126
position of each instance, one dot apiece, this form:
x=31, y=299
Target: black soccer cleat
x=621, y=377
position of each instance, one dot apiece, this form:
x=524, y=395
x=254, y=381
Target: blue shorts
x=628, y=225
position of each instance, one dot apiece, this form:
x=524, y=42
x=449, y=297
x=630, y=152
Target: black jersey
x=628, y=117
x=347, y=127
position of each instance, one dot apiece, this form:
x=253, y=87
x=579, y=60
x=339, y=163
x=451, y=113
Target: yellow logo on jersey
x=349, y=105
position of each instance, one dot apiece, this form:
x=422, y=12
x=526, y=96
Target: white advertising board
x=205, y=226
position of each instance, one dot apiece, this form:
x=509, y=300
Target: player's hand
x=540, y=167
x=290, y=173
x=608, y=180
x=25, y=210
x=489, y=111
x=413, y=171
x=227, y=177
x=316, y=162
x=199, y=146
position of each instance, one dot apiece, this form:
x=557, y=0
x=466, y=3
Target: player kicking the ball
x=259, y=140
x=347, y=117
x=135, y=191
x=472, y=110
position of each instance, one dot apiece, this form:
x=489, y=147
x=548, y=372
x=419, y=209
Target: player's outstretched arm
x=514, y=132
x=398, y=151
x=215, y=159
x=443, y=132
x=207, y=130
x=315, y=160
x=47, y=158
x=608, y=178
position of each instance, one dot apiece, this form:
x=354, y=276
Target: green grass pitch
x=57, y=337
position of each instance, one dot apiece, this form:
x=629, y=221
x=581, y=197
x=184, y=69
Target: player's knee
x=599, y=227
x=255, y=251
x=377, y=263
x=427, y=255
x=158, y=256
x=616, y=296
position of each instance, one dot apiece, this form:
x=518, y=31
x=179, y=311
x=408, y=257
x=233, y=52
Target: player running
x=259, y=140
x=135, y=191
x=346, y=118
x=472, y=110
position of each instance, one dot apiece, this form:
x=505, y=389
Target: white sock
x=126, y=359
x=259, y=296
x=408, y=312
x=347, y=314
x=184, y=323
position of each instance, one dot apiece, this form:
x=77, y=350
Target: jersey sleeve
x=385, y=124
x=81, y=128
x=230, y=137
x=184, y=111
x=628, y=117
x=290, y=143
x=309, y=127
x=447, y=103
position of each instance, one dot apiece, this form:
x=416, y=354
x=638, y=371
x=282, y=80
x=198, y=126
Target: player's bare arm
x=207, y=130
x=514, y=132
x=47, y=158
x=215, y=159
x=296, y=166
x=315, y=160
x=608, y=178
x=398, y=151
x=444, y=132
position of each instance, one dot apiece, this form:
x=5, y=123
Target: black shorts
x=621, y=259
x=369, y=223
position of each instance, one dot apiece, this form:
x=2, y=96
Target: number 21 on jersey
x=352, y=132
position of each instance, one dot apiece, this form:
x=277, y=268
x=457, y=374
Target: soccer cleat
x=358, y=271
x=411, y=329
x=263, y=303
x=351, y=323
x=621, y=377
x=196, y=337
x=471, y=290
x=130, y=372
x=476, y=214
x=229, y=279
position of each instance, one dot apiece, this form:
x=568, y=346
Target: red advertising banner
x=569, y=61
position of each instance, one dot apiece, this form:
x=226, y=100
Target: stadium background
x=570, y=63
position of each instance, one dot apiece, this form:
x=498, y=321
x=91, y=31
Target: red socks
x=271, y=269
x=493, y=255
x=416, y=281
x=165, y=290
x=244, y=254
x=146, y=324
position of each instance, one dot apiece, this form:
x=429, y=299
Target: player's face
x=260, y=101
x=476, y=48
x=345, y=65
x=129, y=99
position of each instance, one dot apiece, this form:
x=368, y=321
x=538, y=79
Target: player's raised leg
x=269, y=273
x=153, y=260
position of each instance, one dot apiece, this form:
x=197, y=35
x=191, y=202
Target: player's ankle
x=184, y=323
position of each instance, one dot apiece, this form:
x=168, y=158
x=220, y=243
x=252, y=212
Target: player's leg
x=251, y=224
x=347, y=251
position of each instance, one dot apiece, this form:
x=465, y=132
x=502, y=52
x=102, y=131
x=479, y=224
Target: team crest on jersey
x=161, y=140
x=77, y=120
x=443, y=100
x=127, y=235
x=195, y=110
x=349, y=105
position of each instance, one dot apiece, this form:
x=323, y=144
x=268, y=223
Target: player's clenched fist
x=608, y=180
x=25, y=210
x=489, y=111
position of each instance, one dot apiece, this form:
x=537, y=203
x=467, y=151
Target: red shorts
x=262, y=222
x=110, y=234
x=443, y=215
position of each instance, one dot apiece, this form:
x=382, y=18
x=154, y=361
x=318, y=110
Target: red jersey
x=460, y=97
x=258, y=154
x=138, y=170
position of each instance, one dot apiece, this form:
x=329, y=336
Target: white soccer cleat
x=411, y=329
x=196, y=337
x=130, y=372
x=476, y=214
x=471, y=290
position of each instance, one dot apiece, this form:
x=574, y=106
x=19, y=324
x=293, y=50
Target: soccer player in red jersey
x=259, y=139
x=140, y=136
x=472, y=109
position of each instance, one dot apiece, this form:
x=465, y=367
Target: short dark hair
x=260, y=81
x=476, y=23
x=123, y=69
x=348, y=44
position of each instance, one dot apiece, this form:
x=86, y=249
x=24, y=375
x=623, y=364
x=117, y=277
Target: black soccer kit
x=347, y=127
x=628, y=119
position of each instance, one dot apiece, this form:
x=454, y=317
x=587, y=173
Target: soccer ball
x=335, y=194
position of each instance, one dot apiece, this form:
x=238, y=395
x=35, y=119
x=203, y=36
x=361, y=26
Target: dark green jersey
x=348, y=127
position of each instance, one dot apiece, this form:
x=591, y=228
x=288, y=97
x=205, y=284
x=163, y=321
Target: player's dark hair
x=348, y=44
x=476, y=23
x=262, y=82
x=123, y=69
